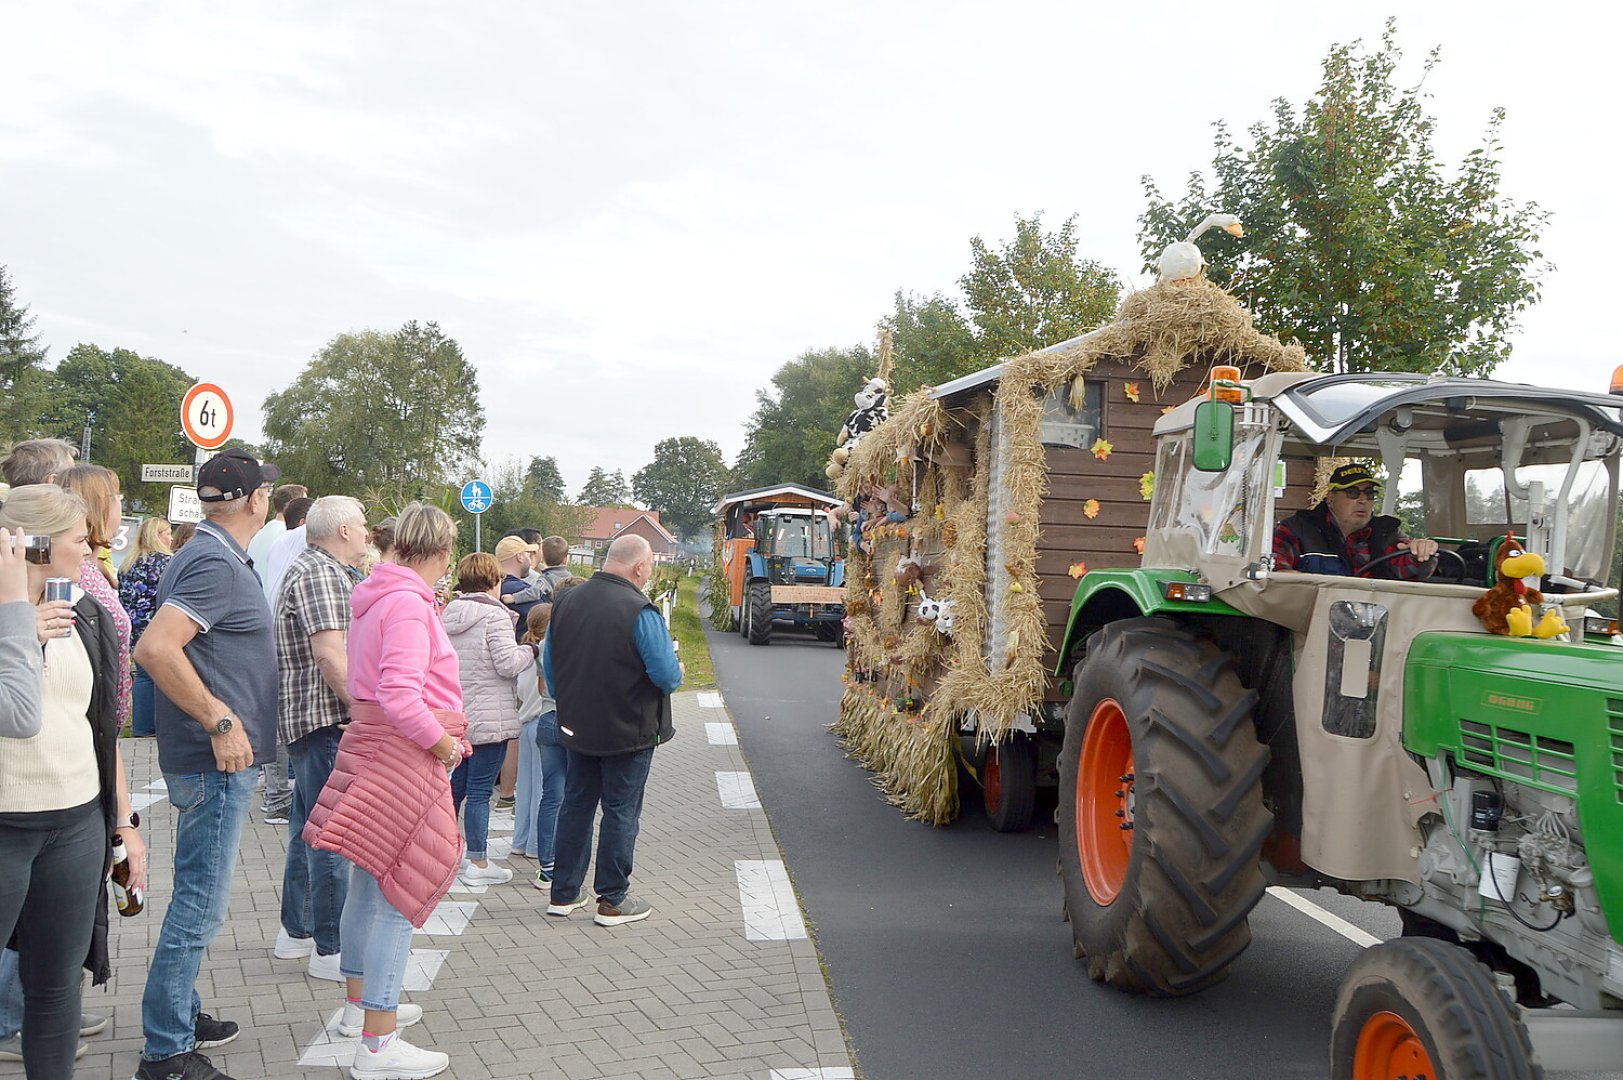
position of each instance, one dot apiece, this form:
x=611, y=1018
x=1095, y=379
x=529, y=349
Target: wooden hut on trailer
x=977, y=506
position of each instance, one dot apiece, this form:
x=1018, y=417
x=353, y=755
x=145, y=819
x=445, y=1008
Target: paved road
x=946, y=948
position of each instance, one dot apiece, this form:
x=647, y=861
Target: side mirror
x=1214, y=436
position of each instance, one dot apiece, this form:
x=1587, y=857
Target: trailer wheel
x=1009, y=783
x=1160, y=814
x=760, y=604
x=1423, y=1007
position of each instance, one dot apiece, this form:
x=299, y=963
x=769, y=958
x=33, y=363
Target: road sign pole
x=478, y=542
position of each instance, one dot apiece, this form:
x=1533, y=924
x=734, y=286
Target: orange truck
x=778, y=556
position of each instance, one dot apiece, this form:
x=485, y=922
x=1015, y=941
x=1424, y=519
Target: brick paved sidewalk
x=720, y=982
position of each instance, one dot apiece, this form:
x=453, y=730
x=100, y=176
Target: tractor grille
x=1614, y=727
x=1536, y=759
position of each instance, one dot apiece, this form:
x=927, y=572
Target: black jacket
x=607, y=704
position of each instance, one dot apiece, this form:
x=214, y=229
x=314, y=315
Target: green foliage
x=24, y=382
x=1357, y=244
x=932, y=342
x=683, y=482
x=604, y=488
x=385, y=417
x=791, y=434
x=131, y=404
x=544, y=479
x=516, y=504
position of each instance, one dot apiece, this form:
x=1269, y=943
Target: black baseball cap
x=1351, y=476
x=234, y=473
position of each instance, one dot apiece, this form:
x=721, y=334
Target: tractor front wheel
x=1161, y=818
x=1423, y=1007
x=1009, y=783
x=760, y=617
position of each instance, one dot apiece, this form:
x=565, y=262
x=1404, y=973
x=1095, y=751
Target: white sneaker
x=564, y=910
x=289, y=947
x=489, y=874
x=325, y=967
x=352, y=1023
x=398, y=1061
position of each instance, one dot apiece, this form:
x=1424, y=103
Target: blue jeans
x=11, y=995
x=377, y=943
x=474, y=780
x=542, y=763
x=313, y=882
x=143, y=722
x=53, y=862
x=211, y=808
x=617, y=782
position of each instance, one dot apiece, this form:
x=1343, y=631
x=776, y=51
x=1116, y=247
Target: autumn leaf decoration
x=1090, y=509
x=1131, y=390
x=1146, y=485
x=1138, y=545
x=1078, y=569
x=1101, y=449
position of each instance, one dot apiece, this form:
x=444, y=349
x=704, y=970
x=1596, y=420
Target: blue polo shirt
x=212, y=583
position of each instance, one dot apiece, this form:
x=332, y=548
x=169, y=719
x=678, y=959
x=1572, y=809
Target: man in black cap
x=212, y=653
x=1342, y=534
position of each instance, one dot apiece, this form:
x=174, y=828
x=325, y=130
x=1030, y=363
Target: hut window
x=1064, y=424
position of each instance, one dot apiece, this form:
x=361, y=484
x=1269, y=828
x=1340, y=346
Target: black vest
x=1319, y=535
x=606, y=702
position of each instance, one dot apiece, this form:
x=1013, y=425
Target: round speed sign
x=206, y=416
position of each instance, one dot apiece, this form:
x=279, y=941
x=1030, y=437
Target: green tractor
x=1234, y=726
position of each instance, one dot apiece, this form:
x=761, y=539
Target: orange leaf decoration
x=1078, y=569
x=1102, y=448
x=1168, y=409
x=1091, y=508
x=1131, y=390
x=1138, y=545
x=1013, y=516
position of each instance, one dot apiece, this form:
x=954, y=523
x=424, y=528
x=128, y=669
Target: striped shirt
x=314, y=596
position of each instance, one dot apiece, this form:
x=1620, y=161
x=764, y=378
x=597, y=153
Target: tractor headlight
x=1189, y=591
x=1599, y=626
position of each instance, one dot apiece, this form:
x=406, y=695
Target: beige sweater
x=56, y=769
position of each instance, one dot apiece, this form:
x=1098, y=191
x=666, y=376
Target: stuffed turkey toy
x=1508, y=607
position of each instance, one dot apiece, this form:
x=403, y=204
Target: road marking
x=449, y=917
x=501, y=821
x=498, y=847
x=771, y=912
x=709, y=699
x=331, y=1049
x=812, y=1074
x=142, y=800
x=1318, y=914
x=159, y=784
x=721, y=734
x=737, y=791
x=422, y=966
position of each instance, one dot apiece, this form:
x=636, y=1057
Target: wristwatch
x=131, y=822
x=224, y=726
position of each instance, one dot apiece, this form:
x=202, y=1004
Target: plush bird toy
x=1507, y=608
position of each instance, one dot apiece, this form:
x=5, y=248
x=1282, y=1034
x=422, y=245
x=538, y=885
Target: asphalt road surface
x=946, y=947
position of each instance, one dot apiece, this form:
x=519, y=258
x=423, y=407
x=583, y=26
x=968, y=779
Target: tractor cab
x=778, y=559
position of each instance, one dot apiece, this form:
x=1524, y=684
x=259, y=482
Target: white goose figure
x=1182, y=261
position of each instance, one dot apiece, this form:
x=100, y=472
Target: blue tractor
x=793, y=576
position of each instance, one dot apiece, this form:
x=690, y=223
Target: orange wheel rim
x=1104, y=802
x=1390, y=1049
x=992, y=779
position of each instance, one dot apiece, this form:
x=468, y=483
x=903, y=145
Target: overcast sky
x=631, y=214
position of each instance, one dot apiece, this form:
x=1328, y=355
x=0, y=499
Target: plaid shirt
x=314, y=596
x=1290, y=546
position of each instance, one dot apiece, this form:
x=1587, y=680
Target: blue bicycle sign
x=476, y=496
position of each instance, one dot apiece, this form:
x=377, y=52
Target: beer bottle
x=128, y=899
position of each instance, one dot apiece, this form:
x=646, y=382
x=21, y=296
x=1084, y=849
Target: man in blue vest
x=611, y=667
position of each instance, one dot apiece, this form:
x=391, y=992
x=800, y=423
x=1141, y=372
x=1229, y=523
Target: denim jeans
x=617, y=782
x=52, y=883
x=279, y=782
x=313, y=882
x=143, y=722
x=474, y=780
x=542, y=763
x=211, y=808
x=11, y=995
x=377, y=942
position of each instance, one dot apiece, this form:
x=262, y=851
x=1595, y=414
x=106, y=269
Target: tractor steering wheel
x=1459, y=573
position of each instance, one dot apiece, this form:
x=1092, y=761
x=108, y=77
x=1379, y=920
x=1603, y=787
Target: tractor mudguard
x=756, y=568
x=1104, y=596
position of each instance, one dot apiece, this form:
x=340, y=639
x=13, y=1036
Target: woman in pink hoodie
x=387, y=807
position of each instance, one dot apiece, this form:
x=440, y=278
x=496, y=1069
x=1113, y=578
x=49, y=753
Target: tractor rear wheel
x=1423, y=1007
x=760, y=617
x=1161, y=818
x=1009, y=783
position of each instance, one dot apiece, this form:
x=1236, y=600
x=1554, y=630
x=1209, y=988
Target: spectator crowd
x=384, y=702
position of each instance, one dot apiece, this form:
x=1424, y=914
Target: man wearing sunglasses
x=1342, y=534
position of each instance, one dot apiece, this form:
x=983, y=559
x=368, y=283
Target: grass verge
x=688, y=628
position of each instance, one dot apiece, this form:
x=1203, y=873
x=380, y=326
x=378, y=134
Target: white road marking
x=498, y=847
x=159, y=784
x=709, y=699
x=737, y=791
x=501, y=821
x=1318, y=914
x=331, y=1049
x=422, y=966
x=813, y=1074
x=143, y=799
x=450, y=917
x=721, y=734
x=771, y=912
x=459, y=886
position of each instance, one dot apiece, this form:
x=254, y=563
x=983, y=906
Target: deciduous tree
x=683, y=482
x=604, y=488
x=1034, y=291
x=791, y=434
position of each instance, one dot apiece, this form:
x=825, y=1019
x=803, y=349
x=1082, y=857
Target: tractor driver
x=1342, y=535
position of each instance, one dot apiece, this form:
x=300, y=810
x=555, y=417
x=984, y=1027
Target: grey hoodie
x=481, y=632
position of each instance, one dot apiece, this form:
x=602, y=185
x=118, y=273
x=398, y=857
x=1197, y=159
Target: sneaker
x=289, y=947
x=12, y=1049
x=325, y=967
x=211, y=1033
x=543, y=879
x=628, y=910
x=350, y=1024
x=489, y=874
x=520, y=853
x=91, y=1024
x=565, y=908
x=398, y=1061
x=505, y=802
x=192, y=1066
x=276, y=817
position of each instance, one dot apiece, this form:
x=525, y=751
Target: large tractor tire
x=1423, y=1007
x=1009, y=783
x=1161, y=818
x=759, y=599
